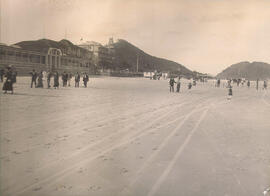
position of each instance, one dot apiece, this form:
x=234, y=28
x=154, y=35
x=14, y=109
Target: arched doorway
x=54, y=58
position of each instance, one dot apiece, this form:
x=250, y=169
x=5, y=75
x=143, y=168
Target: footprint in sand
x=155, y=148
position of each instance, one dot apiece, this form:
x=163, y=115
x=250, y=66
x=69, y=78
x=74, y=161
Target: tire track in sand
x=168, y=169
x=48, y=179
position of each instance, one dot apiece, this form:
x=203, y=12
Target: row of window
x=33, y=58
x=74, y=62
x=21, y=56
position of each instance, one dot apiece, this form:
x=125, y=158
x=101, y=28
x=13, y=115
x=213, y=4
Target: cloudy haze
x=203, y=35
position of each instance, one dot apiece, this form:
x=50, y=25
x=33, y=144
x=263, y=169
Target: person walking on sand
x=69, y=78
x=8, y=85
x=218, y=83
x=56, y=80
x=85, y=79
x=189, y=85
x=264, y=85
x=40, y=80
x=172, y=81
x=230, y=93
x=248, y=83
x=257, y=84
x=64, y=79
x=178, y=83
x=33, y=78
x=49, y=75
x=77, y=80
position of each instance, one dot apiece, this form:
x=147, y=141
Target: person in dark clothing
x=189, y=85
x=248, y=83
x=49, y=75
x=230, y=93
x=2, y=73
x=218, y=83
x=64, y=79
x=40, y=80
x=257, y=84
x=8, y=85
x=171, y=82
x=264, y=85
x=56, y=80
x=34, y=78
x=69, y=78
x=85, y=79
x=77, y=80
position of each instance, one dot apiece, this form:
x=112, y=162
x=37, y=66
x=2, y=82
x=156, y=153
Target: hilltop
x=126, y=58
x=247, y=70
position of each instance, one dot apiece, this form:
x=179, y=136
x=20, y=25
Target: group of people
x=66, y=78
x=178, y=84
x=37, y=79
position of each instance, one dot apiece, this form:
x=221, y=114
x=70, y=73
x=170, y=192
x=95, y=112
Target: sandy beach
x=132, y=137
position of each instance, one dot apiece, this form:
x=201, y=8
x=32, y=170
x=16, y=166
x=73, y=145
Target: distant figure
x=56, y=80
x=218, y=83
x=248, y=83
x=238, y=81
x=194, y=82
x=264, y=84
x=230, y=93
x=69, y=78
x=64, y=79
x=8, y=85
x=178, y=83
x=85, y=79
x=171, y=82
x=257, y=84
x=49, y=75
x=33, y=78
x=2, y=73
x=229, y=82
x=40, y=80
x=189, y=85
x=77, y=80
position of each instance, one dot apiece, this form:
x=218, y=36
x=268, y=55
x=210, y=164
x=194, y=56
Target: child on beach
x=230, y=93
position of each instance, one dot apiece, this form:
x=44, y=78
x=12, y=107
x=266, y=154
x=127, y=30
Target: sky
x=203, y=35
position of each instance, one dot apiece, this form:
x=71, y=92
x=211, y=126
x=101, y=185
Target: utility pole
x=137, y=63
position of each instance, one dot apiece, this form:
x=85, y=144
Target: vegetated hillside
x=43, y=45
x=126, y=58
x=251, y=71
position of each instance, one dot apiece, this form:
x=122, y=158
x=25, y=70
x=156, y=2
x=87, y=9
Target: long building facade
x=48, y=56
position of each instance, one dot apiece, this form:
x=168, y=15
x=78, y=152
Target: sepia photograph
x=134, y=98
